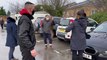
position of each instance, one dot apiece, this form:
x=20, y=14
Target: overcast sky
x=5, y=3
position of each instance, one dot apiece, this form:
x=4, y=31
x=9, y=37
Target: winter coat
x=47, y=26
x=26, y=34
x=78, y=39
x=11, y=33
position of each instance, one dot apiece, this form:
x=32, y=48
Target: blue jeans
x=47, y=36
x=11, y=53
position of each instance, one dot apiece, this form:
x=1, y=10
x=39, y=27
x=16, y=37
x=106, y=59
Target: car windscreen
x=91, y=23
x=101, y=28
x=57, y=20
x=64, y=22
x=39, y=19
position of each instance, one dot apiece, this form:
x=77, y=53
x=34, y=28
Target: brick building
x=72, y=8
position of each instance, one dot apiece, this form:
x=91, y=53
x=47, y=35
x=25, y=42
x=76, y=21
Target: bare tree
x=100, y=4
x=15, y=7
x=54, y=3
x=54, y=7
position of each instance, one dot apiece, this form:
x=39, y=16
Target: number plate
x=87, y=56
x=62, y=30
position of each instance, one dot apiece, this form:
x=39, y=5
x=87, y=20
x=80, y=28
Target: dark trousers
x=2, y=26
x=77, y=55
x=11, y=53
x=46, y=37
x=26, y=55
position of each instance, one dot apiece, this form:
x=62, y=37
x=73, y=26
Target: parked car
x=37, y=24
x=60, y=33
x=39, y=14
x=65, y=22
x=56, y=22
x=97, y=45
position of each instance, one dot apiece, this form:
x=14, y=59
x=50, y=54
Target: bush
x=99, y=17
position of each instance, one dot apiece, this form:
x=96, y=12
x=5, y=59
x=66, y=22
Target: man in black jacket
x=26, y=36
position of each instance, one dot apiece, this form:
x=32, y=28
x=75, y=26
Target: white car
x=61, y=34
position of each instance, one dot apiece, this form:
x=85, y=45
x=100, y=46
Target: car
x=92, y=24
x=56, y=21
x=39, y=14
x=37, y=25
x=64, y=22
x=97, y=45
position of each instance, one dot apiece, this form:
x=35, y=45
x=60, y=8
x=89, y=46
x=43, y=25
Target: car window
x=57, y=20
x=101, y=28
x=64, y=22
x=39, y=19
x=92, y=23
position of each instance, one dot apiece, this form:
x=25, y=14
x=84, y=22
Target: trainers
x=50, y=45
x=46, y=46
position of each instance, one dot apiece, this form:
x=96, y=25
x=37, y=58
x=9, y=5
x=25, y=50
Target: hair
x=28, y=3
x=46, y=15
x=81, y=13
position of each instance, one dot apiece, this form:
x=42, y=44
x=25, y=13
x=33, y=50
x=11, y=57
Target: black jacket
x=26, y=36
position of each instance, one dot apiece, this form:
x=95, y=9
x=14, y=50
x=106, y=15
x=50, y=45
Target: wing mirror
x=92, y=29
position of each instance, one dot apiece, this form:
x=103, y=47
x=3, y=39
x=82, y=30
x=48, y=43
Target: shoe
x=50, y=45
x=46, y=46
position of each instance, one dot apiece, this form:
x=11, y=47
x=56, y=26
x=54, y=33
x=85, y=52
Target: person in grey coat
x=78, y=39
x=11, y=40
x=47, y=25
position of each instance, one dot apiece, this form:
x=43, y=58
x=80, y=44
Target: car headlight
x=106, y=52
x=103, y=54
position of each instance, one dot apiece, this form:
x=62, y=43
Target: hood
x=82, y=20
x=98, y=41
x=9, y=19
x=25, y=12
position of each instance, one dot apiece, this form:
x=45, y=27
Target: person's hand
x=33, y=53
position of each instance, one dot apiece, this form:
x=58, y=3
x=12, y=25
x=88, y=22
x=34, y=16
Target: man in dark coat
x=26, y=36
x=11, y=36
x=78, y=39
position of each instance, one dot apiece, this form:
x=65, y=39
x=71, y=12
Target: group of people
x=24, y=36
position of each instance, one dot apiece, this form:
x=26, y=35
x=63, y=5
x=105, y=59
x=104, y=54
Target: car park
x=97, y=45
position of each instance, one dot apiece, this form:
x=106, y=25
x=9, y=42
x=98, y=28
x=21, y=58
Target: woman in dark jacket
x=11, y=36
x=78, y=39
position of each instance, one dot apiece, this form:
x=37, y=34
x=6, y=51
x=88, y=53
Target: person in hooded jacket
x=11, y=36
x=26, y=34
x=47, y=25
x=78, y=39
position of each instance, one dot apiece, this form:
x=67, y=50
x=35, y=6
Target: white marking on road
x=57, y=51
x=39, y=41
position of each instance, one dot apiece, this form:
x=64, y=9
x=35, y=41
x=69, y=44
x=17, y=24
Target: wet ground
x=60, y=50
